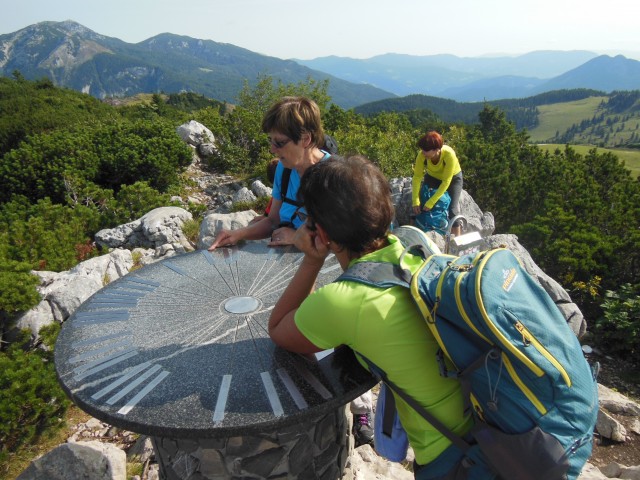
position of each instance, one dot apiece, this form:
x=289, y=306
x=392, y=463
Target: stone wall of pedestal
x=315, y=449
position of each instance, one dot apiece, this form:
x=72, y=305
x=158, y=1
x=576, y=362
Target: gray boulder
x=260, y=189
x=214, y=222
x=244, y=195
x=62, y=293
x=159, y=227
x=91, y=460
x=194, y=133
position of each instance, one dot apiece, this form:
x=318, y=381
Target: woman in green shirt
x=349, y=208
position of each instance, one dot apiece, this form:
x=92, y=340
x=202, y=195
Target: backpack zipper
x=496, y=332
x=523, y=386
x=529, y=339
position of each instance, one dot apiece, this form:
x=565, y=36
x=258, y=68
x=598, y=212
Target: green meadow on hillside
x=608, y=121
x=558, y=117
x=631, y=158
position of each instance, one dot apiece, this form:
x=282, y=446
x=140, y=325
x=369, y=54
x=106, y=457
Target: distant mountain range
x=78, y=58
x=73, y=56
x=478, y=79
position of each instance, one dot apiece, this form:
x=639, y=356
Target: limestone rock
x=260, y=189
x=590, y=472
x=214, y=222
x=94, y=460
x=615, y=402
x=62, y=293
x=609, y=427
x=365, y=464
x=194, y=133
x=160, y=226
x=244, y=195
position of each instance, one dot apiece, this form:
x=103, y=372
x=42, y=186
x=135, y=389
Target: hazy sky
x=356, y=28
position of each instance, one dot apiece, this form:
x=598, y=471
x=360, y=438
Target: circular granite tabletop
x=180, y=348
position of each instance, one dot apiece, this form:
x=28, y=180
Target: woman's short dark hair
x=294, y=116
x=351, y=199
x=430, y=141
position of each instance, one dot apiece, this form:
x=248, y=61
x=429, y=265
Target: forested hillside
x=71, y=165
x=579, y=116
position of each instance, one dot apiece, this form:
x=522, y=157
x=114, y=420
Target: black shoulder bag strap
x=284, y=188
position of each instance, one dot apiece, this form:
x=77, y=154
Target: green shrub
x=31, y=400
x=619, y=329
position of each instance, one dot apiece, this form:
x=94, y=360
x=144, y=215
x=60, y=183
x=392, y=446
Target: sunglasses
x=279, y=143
x=304, y=217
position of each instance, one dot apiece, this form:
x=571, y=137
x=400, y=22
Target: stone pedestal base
x=314, y=449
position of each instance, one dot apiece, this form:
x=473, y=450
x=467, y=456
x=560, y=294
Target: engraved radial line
x=221, y=403
x=114, y=398
x=255, y=345
x=194, y=331
x=224, y=279
x=259, y=324
x=102, y=359
x=101, y=393
x=238, y=277
x=299, y=400
x=98, y=351
x=102, y=366
x=274, y=287
x=205, y=333
x=313, y=381
x=187, y=294
x=236, y=281
x=233, y=346
x=143, y=393
x=272, y=395
x=274, y=262
x=179, y=271
x=230, y=331
x=93, y=340
x=288, y=272
x=267, y=284
x=262, y=273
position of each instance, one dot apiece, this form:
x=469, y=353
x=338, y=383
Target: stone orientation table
x=179, y=350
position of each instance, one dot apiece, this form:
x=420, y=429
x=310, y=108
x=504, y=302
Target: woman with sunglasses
x=384, y=325
x=295, y=133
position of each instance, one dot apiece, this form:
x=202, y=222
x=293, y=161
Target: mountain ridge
x=76, y=57
x=485, y=78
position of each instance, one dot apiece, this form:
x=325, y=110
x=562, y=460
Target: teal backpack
x=438, y=217
x=526, y=382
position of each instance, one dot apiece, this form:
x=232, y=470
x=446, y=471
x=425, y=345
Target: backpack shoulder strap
x=284, y=188
x=376, y=274
x=442, y=428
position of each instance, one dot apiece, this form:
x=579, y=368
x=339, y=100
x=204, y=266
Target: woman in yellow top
x=442, y=171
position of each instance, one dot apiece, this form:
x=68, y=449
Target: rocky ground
x=617, y=374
